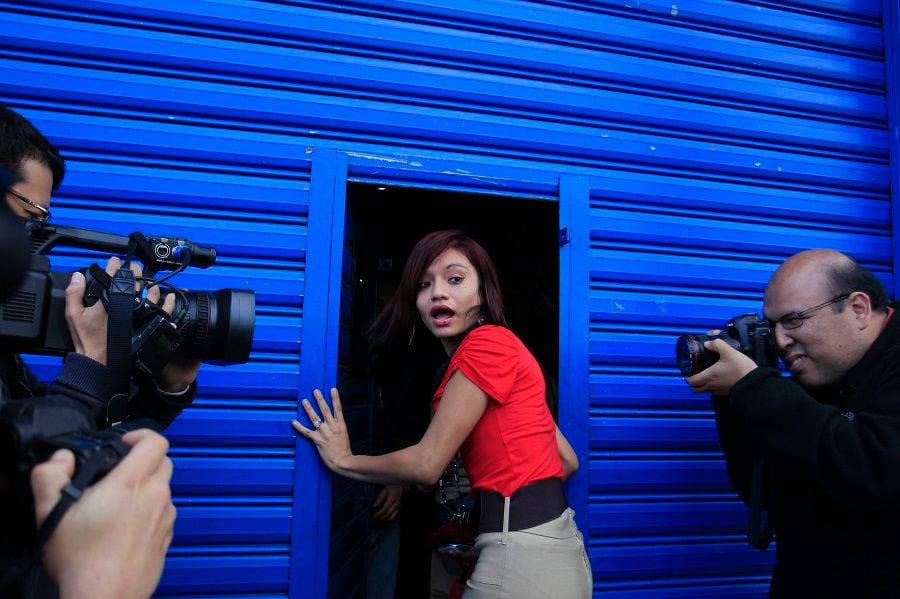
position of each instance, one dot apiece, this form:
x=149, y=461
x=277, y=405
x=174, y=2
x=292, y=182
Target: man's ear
x=861, y=305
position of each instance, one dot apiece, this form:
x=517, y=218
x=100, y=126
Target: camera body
x=748, y=333
x=215, y=327
x=31, y=430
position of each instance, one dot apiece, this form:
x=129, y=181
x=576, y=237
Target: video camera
x=214, y=327
x=748, y=333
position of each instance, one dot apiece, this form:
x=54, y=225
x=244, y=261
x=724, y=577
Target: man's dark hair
x=20, y=141
x=849, y=276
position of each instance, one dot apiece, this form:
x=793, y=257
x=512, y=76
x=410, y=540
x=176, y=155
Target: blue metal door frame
x=574, y=342
x=331, y=171
x=891, y=19
x=318, y=367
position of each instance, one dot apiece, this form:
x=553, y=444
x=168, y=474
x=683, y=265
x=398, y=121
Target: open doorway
x=382, y=225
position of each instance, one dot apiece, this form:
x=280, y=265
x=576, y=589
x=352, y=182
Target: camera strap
x=99, y=462
x=118, y=345
x=759, y=535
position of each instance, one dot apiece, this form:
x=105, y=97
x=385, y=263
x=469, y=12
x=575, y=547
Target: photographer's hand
x=180, y=371
x=719, y=378
x=111, y=543
x=87, y=324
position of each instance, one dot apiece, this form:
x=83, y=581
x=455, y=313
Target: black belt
x=533, y=504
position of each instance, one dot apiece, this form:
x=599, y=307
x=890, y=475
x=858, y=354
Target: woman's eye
x=423, y=285
x=455, y=280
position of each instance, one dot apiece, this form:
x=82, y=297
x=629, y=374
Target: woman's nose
x=438, y=290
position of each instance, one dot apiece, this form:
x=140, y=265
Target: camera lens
x=692, y=357
x=689, y=353
x=218, y=328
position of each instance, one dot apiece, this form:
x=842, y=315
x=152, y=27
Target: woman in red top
x=490, y=406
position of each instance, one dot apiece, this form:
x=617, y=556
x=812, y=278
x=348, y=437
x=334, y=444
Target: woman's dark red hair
x=400, y=315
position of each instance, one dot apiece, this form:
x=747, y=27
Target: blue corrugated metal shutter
x=695, y=144
x=234, y=465
x=233, y=455
x=793, y=155
x=147, y=152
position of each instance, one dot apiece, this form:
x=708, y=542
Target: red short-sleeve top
x=514, y=441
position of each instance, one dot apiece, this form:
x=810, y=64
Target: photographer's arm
x=854, y=458
x=180, y=372
x=719, y=379
x=112, y=542
x=19, y=378
x=84, y=373
x=174, y=387
x=163, y=408
x=162, y=399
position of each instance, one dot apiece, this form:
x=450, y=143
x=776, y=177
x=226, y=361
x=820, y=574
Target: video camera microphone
x=156, y=253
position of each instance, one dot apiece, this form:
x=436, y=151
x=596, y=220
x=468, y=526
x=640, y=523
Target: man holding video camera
x=37, y=170
x=112, y=539
x=820, y=450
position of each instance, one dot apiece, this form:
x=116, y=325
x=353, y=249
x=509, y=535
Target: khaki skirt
x=547, y=560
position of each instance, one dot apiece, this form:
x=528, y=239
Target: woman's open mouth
x=442, y=315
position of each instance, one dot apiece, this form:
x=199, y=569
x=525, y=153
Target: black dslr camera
x=748, y=333
x=31, y=430
x=214, y=327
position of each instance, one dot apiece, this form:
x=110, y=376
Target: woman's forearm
x=406, y=466
x=461, y=407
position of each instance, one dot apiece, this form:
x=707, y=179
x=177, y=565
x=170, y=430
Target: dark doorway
x=382, y=225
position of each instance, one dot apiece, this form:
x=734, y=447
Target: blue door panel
x=628, y=472
x=775, y=205
x=220, y=574
x=233, y=426
x=633, y=389
x=726, y=237
x=268, y=472
x=669, y=434
x=712, y=561
x=222, y=525
x=669, y=517
x=757, y=588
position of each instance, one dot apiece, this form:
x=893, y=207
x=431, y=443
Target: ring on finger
x=316, y=423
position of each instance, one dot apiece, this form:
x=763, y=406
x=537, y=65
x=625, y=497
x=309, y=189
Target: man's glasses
x=42, y=213
x=795, y=319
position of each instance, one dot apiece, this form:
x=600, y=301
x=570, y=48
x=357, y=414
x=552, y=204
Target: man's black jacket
x=81, y=382
x=832, y=463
